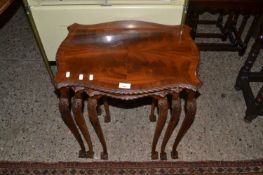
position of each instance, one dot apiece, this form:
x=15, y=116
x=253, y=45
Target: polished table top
x=127, y=57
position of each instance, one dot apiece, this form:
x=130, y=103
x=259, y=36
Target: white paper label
x=67, y=74
x=80, y=76
x=125, y=85
x=91, y=76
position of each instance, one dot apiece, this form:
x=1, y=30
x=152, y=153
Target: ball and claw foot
x=163, y=156
x=152, y=118
x=90, y=154
x=104, y=156
x=107, y=119
x=174, y=155
x=154, y=155
x=83, y=154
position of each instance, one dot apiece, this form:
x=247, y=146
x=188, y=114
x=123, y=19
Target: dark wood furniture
x=245, y=76
x=127, y=60
x=4, y=4
x=232, y=10
x=7, y=9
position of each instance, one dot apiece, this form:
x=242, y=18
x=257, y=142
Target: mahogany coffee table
x=127, y=60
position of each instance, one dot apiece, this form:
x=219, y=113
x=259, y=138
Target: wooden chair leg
x=254, y=109
x=176, y=111
x=219, y=22
x=163, y=110
x=190, y=111
x=78, y=113
x=259, y=101
x=92, y=106
x=232, y=30
x=64, y=108
x=227, y=26
x=235, y=35
x=239, y=34
x=250, y=60
x=251, y=30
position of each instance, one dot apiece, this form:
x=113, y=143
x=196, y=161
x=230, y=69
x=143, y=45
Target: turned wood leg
x=239, y=35
x=163, y=110
x=227, y=26
x=92, y=105
x=250, y=32
x=78, y=113
x=190, y=110
x=259, y=101
x=176, y=110
x=219, y=22
x=242, y=25
x=152, y=116
x=250, y=60
x=64, y=108
x=233, y=30
x=107, y=117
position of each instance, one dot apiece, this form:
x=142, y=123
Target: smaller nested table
x=127, y=60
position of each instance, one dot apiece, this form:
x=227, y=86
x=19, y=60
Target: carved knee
x=77, y=106
x=63, y=105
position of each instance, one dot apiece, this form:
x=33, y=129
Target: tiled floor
x=31, y=127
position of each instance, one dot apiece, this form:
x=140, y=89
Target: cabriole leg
x=176, y=110
x=78, y=113
x=64, y=108
x=92, y=111
x=163, y=110
x=190, y=111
